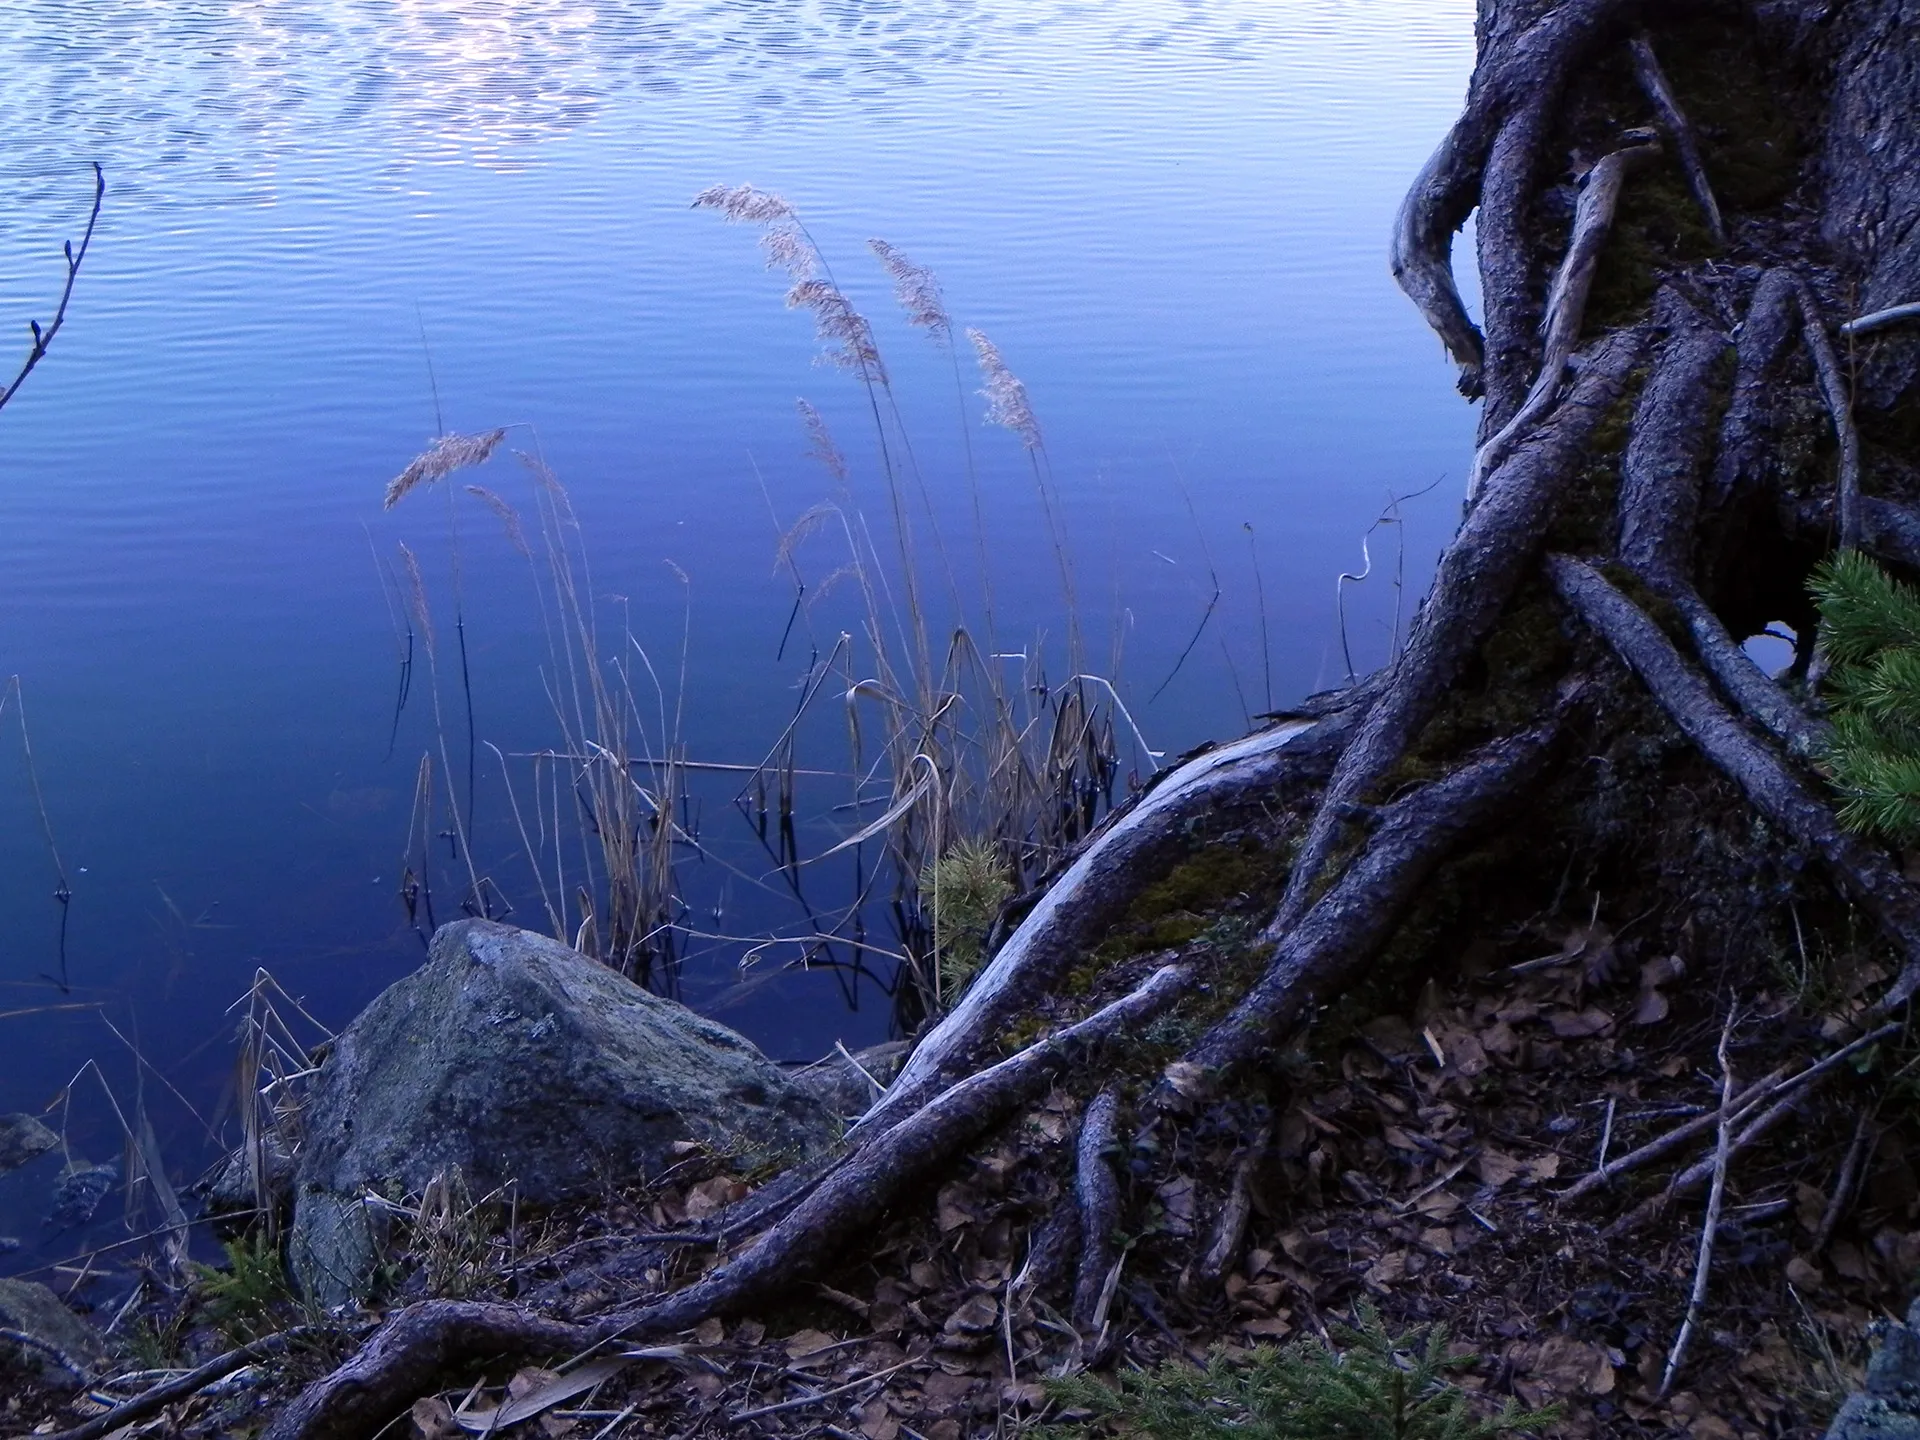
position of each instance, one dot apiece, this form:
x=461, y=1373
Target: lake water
x=333, y=227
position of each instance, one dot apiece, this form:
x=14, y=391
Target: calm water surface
x=327, y=220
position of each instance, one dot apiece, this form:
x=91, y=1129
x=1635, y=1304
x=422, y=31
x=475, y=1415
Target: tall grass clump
x=597, y=823
x=973, y=764
x=980, y=763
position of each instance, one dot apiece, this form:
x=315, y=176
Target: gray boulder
x=63, y=1346
x=23, y=1138
x=1889, y=1407
x=521, y=1061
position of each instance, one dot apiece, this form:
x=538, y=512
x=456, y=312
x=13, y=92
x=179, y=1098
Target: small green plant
x=1379, y=1388
x=244, y=1300
x=964, y=889
x=155, y=1342
x=1870, y=626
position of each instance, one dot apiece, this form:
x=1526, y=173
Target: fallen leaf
x=1571, y=1367
x=975, y=1316
x=1388, y=1270
x=712, y=1195
x=1176, y=1199
x=433, y=1419
x=1030, y=1393
x=710, y=1331
x=1848, y=1260
x=526, y=1381
x=924, y=1274
x=1187, y=1079
x=1578, y=1024
x=1268, y=1327
x=955, y=1207
x=877, y=1422
x=944, y=1391
x=808, y=1342
x=1495, y=1168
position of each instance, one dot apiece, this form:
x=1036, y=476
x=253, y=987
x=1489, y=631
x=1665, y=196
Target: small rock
x=79, y=1193
x=23, y=1138
x=33, y=1309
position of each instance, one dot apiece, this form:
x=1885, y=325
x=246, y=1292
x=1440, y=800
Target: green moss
x=1752, y=144
x=1651, y=602
x=1658, y=227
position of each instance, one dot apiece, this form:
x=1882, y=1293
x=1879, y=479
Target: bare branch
x=43, y=334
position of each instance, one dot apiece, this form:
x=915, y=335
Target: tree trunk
x=1675, y=430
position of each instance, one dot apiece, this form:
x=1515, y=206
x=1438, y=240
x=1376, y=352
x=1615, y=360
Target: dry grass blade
x=440, y=459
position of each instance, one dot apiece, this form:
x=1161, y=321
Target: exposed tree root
x=1659, y=510
x=1833, y=389
x=1527, y=59
x=1342, y=930
x=1881, y=319
x=1230, y=1225
x=1703, y=510
x=1096, y=1194
x=1740, y=470
x=1520, y=71
x=1476, y=577
x=1865, y=873
x=1566, y=303
x=1889, y=530
x=182, y=1387
x=1100, y=882
x=1678, y=131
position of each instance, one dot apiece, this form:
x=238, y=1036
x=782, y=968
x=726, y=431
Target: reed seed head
x=508, y=518
x=820, y=441
x=842, y=329
x=917, y=289
x=787, y=248
x=1006, y=396
x=440, y=459
x=744, y=203
x=417, y=595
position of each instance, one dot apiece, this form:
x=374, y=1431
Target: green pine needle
x=1870, y=627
